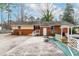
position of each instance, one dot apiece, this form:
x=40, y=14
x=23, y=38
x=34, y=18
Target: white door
x=0, y=27
x=44, y=31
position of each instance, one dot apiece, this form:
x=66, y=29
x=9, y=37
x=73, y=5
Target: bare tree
x=46, y=12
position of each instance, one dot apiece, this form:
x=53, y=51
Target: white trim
x=45, y=26
x=75, y=26
x=71, y=30
x=64, y=26
x=70, y=51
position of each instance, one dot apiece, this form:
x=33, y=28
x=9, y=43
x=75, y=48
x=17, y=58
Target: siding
x=22, y=27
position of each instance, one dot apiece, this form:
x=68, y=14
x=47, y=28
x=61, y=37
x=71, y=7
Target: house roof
x=43, y=23
x=67, y=23
x=49, y=23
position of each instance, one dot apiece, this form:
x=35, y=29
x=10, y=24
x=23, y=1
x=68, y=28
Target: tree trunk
x=1, y=19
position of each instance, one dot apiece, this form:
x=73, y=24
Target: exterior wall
x=27, y=27
x=48, y=30
x=22, y=32
x=65, y=30
x=22, y=27
x=57, y=29
x=25, y=30
x=14, y=27
x=41, y=31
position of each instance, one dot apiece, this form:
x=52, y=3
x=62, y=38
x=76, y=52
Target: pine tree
x=68, y=14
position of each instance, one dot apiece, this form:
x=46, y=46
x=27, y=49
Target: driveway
x=27, y=46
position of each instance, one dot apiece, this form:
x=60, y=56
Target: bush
x=52, y=33
x=73, y=31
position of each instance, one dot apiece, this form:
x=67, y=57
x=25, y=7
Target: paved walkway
x=68, y=51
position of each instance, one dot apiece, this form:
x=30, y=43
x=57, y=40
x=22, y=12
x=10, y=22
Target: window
x=52, y=28
x=36, y=27
x=19, y=27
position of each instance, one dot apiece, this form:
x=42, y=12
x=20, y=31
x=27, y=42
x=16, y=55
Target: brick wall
x=57, y=29
x=65, y=30
x=22, y=31
x=29, y=31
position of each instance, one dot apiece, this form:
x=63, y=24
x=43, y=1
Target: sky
x=34, y=9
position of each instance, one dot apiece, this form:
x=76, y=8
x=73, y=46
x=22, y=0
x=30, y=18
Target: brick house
x=29, y=29
x=40, y=28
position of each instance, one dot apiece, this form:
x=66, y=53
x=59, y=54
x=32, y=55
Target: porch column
x=61, y=32
x=71, y=30
x=68, y=34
